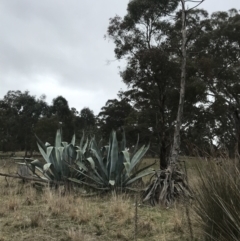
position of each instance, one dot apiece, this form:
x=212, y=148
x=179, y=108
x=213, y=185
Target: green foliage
x=58, y=158
x=217, y=65
x=114, y=115
x=218, y=201
x=111, y=168
x=19, y=112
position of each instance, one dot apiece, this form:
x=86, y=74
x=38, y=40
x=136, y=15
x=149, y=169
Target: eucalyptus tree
x=60, y=109
x=87, y=120
x=150, y=40
x=217, y=65
x=140, y=38
x=23, y=112
x=113, y=116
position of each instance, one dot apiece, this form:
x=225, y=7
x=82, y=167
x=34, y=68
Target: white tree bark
x=174, y=155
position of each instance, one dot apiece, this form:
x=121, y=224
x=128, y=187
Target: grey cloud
x=64, y=39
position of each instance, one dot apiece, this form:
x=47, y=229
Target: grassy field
x=30, y=213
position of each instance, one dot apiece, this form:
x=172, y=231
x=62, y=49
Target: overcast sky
x=57, y=47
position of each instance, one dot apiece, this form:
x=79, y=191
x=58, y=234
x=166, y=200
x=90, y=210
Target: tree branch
x=30, y=178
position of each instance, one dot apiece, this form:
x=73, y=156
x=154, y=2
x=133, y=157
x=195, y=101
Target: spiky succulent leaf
x=114, y=158
x=127, y=162
x=138, y=156
x=41, y=144
x=119, y=167
x=112, y=182
x=85, y=146
x=64, y=143
x=81, y=141
x=123, y=142
x=137, y=173
x=47, y=144
x=43, y=152
x=135, y=147
x=97, y=153
x=58, y=139
x=36, y=163
x=140, y=175
x=82, y=166
x=91, y=161
x=73, y=140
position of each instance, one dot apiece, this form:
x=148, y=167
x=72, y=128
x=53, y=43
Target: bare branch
x=30, y=178
x=199, y=3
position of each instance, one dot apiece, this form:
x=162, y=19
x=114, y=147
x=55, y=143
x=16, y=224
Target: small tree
x=170, y=183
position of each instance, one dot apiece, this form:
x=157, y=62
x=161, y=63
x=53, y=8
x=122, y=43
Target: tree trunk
x=176, y=140
x=163, y=155
x=237, y=127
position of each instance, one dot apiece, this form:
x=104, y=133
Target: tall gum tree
x=140, y=38
x=149, y=40
x=218, y=66
x=174, y=156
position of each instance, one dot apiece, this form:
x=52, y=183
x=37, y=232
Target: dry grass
x=29, y=214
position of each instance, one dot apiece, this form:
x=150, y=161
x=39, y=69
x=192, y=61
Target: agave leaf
x=138, y=156
x=40, y=143
x=146, y=167
x=73, y=139
x=88, y=184
x=58, y=139
x=92, y=177
x=127, y=166
x=47, y=144
x=60, y=149
x=101, y=179
x=82, y=166
x=100, y=142
x=114, y=156
x=75, y=180
x=92, y=163
x=64, y=155
x=136, y=146
x=52, y=157
x=47, y=167
x=36, y=163
x=140, y=170
x=97, y=153
x=123, y=142
x=64, y=143
x=112, y=182
x=49, y=151
x=105, y=150
x=126, y=156
x=109, y=152
x=57, y=155
x=79, y=155
x=72, y=153
x=96, y=150
x=24, y=158
x=81, y=141
x=85, y=146
x=127, y=163
x=140, y=175
x=47, y=175
x=43, y=153
x=119, y=167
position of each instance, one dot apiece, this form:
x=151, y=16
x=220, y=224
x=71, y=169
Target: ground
x=31, y=213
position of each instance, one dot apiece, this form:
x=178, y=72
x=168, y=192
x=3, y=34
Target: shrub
x=218, y=201
x=112, y=166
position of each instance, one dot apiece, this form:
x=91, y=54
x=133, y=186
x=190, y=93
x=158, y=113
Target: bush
x=218, y=201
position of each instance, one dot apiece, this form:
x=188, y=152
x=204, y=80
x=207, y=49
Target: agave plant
x=58, y=158
x=110, y=168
